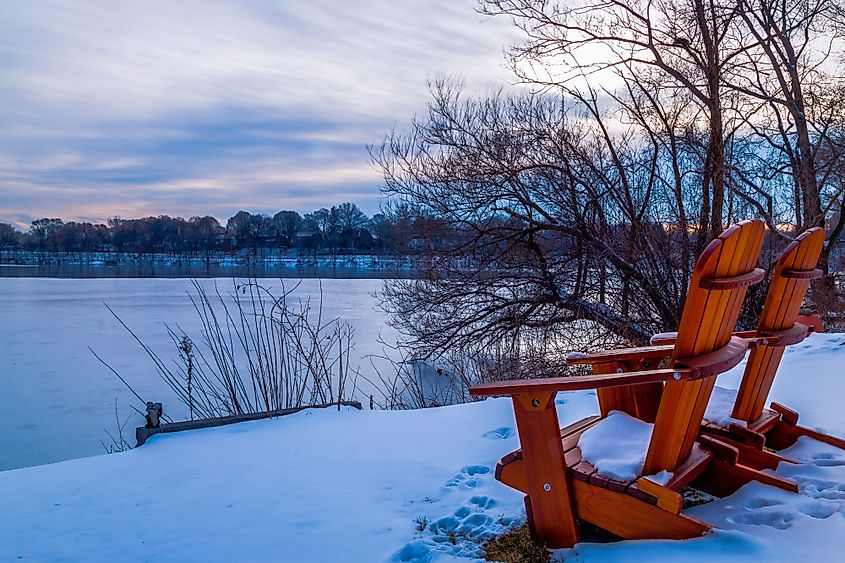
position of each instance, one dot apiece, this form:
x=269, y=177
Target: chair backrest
x=793, y=273
x=717, y=290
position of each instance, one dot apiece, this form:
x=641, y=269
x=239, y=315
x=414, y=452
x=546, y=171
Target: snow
x=315, y=486
x=617, y=445
x=395, y=486
x=721, y=406
x=661, y=478
x=663, y=336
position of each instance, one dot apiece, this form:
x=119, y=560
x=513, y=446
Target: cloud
x=208, y=107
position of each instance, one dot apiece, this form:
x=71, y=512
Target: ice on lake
x=59, y=400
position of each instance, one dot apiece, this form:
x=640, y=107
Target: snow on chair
x=566, y=480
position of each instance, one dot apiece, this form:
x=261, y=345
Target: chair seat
x=511, y=470
x=598, y=431
x=616, y=446
x=720, y=408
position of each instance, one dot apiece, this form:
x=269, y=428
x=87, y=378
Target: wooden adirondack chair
x=776, y=428
x=756, y=431
x=561, y=487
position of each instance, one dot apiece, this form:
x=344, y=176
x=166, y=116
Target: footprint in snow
x=499, y=433
x=415, y=551
x=824, y=459
x=482, y=502
x=820, y=489
x=774, y=519
x=460, y=534
x=819, y=508
x=468, y=477
x=462, y=525
x=756, y=503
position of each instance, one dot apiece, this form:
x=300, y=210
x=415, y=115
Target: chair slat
x=710, y=314
x=792, y=276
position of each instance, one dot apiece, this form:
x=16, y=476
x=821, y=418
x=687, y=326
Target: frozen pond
x=59, y=400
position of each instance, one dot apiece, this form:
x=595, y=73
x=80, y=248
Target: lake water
x=58, y=400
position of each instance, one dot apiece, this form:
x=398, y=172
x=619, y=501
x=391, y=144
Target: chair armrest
x=793, y=335
x=555, y=384
x=802, y=274
x=705, y=365
x=745, y=334
x=813, y=321
x=620, y=355
x=665, y=338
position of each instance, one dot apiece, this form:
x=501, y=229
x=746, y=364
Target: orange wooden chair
x=749, y=426
x=562, y=487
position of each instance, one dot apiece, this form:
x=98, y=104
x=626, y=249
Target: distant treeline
x=341, y=228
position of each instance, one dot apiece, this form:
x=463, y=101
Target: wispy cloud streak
x=209, y=107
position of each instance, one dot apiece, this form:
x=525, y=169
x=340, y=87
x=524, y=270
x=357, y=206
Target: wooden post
x=551, y=512
x=153, y=415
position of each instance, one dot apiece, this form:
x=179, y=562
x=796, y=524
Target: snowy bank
x=358, y=486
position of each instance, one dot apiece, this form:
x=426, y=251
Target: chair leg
x=726, y=474
x=787, y=431
x=784, y=435
x=752, y=456
x=550, y=509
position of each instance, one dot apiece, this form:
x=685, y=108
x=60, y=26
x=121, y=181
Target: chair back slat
x=790, y=281
x=707, y=322
x=786, y=294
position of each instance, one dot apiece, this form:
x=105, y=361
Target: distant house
x=224, y=240
x=307, y=239
x=271, y=241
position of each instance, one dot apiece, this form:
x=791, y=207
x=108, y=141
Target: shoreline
x=217, y=265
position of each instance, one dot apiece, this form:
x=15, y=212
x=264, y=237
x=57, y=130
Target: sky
x=147, y=107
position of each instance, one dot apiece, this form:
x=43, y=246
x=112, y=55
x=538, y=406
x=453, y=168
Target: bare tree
x=560, y=220
x=764, y=70
x=787, y=69
x=350, y=217
x=9, y=236
x=44, y=230
x=247, y=228
x=287, y=224
x=652, y=124
x=691, y=44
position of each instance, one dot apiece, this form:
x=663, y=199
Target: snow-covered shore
x=352, y=485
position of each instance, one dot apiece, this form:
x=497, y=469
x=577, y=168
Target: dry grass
x=256, y=352
x=515, y=546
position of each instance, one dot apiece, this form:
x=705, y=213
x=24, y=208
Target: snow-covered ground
x=356, y=485
x=58, y=398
